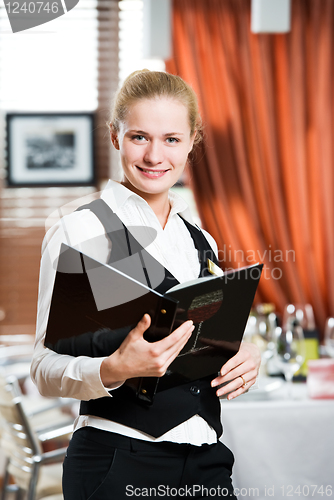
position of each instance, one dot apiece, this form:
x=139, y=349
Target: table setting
x=282, y=431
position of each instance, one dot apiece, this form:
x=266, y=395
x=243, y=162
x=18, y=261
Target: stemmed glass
x=290, y=353
x=303, y=313
x=329, y=337
x=260, y=330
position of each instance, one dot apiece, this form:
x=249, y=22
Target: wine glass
x=329, y=337
x=290, y=351
x=303, y=313
x=260, y=331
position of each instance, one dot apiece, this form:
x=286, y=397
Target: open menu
x=95, y=305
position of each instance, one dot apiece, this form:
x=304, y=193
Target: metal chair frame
x=28, y=457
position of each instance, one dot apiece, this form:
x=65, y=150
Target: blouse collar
x=116, y=195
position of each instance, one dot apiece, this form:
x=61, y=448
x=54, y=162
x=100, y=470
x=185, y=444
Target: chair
x=45, y=415
x=15, y=359
x=36, y=473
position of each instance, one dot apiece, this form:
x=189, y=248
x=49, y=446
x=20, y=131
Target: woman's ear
x=192, y=141
x=114, y=137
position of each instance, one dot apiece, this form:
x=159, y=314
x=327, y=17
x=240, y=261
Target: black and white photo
x=50, y=149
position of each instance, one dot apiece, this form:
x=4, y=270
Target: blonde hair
x=145, y=84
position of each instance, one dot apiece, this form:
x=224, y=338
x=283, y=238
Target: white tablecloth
x=283, y=448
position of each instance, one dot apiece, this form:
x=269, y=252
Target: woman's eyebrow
x=139, y=132
x=142, y=132
x=173, y=133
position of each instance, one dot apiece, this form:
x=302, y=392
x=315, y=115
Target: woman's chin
x=149, y=186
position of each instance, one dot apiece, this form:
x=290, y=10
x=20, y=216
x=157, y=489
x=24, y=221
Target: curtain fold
x=263, y=179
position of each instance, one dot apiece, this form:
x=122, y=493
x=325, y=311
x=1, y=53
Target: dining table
x=283, y=443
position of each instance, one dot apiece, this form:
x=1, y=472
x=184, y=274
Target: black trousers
x=100, y=465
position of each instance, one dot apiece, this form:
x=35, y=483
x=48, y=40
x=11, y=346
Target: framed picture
x=50, y=149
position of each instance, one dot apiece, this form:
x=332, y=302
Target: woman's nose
x=153, y=153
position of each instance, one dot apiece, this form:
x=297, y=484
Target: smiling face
x=154, y=142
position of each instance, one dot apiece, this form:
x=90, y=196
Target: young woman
x=120, y=448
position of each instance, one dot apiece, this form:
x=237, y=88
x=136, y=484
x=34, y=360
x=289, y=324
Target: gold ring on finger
x=244, y=384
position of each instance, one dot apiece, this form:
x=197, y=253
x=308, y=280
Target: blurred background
x=263, y=178
x=261, y=183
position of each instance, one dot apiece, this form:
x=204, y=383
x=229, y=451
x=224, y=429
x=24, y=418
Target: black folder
x=94, y=306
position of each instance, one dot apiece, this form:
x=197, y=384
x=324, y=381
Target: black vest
x=171, y=407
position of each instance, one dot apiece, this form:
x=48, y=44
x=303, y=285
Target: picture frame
x=50, y=149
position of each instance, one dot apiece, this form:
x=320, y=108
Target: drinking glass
x=260, y=331
x=303, y=313
x=329, y=337
x=290, y=351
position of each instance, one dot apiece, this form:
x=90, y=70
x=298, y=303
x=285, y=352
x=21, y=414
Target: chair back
x=18, y=440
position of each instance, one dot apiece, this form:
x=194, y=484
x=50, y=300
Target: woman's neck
x=161, y=210
x=159, y=202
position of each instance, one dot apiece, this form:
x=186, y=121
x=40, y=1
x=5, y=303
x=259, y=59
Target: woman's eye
x=140, y=138
x=172, y=140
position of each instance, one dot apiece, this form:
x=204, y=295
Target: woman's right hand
x=138, y=358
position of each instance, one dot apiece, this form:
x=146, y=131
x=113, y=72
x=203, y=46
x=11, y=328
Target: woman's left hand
x=239, y=373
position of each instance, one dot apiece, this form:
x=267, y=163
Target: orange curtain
x=263, y=179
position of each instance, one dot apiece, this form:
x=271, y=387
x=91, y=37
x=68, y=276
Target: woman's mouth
x=152, y=173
